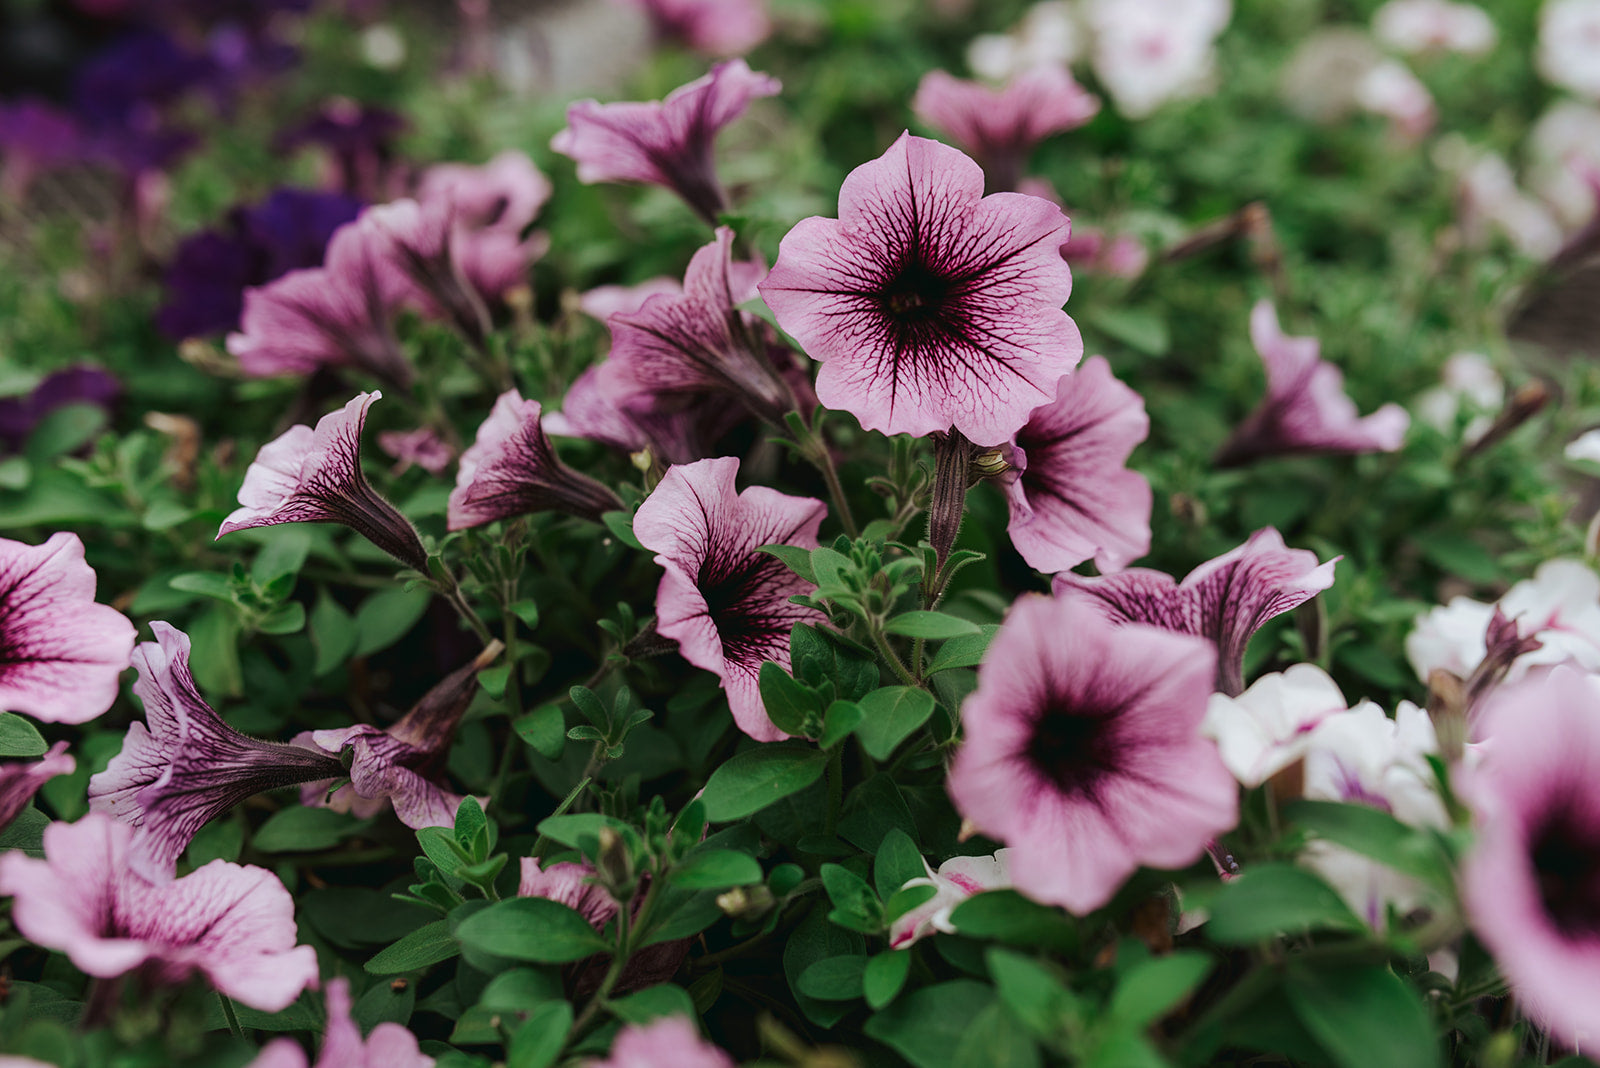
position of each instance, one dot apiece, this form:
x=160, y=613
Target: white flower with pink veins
x=956, y=880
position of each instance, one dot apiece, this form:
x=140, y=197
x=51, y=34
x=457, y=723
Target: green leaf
x=885, y=976
x=1154, y=987
x=817, y=939
x=26, y=832
x=539, y=1041
x=716, y=869
x=841, y=718
x=621, y=526
x=388, y=616
x=1272, y=899
x=18, y=737
x=283, y=551
x=428, y=944
x=301, y=829
x=531, y=929
x=965, y=650
x=931, y=625
x=830, y=566
x=472, y=828
x=1006, y=916
x=570, y=830
x=1364, y=1016
x=788, y=703
x=993, y=1040
x=1033, y=993
x=652, y=1003
x=834, y=979
x=333, y=634
x=545, y=729
x=65, y=429
x=927, y=1025
x=905, y=899
x=1376, y=834
x=889, y=716
x=794, y=558
x=757, y=777
x=898, y=861
x=206, y=583
x=819, y=658
x=287, y=618
x=1140, y=329
x=441, y=847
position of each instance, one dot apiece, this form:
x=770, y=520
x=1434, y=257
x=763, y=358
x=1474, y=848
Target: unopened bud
x=615, y=864
x=1448, y=701
x=746, y=902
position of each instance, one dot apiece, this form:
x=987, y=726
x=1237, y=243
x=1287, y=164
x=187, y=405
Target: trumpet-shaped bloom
x=187, y=766
x=602, y=302
x=20, y=781
x=1270, y=725
x=675, y=433
x=1305, y=409
x=1000, y=127
x=1071, y=497
x=512, y=469
x=388, y=1046
x=667, y=143
x=1532, y=881
x=711, y=27
x=725, y=604
x=930, y=306
x=1226, y=599
x=506, y=193
x=1083, y=751
x=314, y=476
x=670, y=1042
x=956, y=880
x=232, y=924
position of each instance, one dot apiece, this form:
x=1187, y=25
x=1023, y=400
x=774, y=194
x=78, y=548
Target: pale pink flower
x=1085, y=756
x=725, y=604
x=388, y=1046
x=1153, y=51
x=674, y=433
x=1468, y=382
x=19, y=781
x=573, y=885
x=956, y=880
x=1490, y=200
x=1569, y=45
x=711, y=27
x=602, y=302
x=1390, y=89
x=422, y=447
x=930, y=306
x=60, y=652
x=504, y=194
x=670, y=1042
x=1269, y=726
x=1563, y=150
x=1048, y=34
x=233, y=924
x=1434, y=26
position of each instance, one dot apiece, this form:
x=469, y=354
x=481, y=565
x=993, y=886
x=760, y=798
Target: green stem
x=566, y=803
x=887, y=652
x=823, y=460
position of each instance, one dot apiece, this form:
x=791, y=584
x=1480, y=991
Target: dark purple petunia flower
x=930, y=306
x=19, y=781
x=187, y=767
x=125, y=95
x=83, y=384
x=35, y=137
x=359, y=140
x=1226, y=599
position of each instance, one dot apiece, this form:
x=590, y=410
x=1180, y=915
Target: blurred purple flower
x=19, y=781
x=82, y=384
x=359, y=140
x=388, y=1046
x=667, y=1042
x=1000, y=127
x=602, y=302
x=675, y=433
x=422, y=447
x=35, y=137
x=711, y=27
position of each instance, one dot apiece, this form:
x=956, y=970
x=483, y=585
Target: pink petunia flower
x=1434, y=26
x=602, y=302
x=422, y=447
x=573, y=885
x=512, y=469
x=956, y=880
x=505, y=194
x=1083, y=753
x=726, y=604
x=670, y=1042
x=1305, y=409
x=314, y=476
x=187, y=766
x=1150, y=52
x=388, y=1046
x=338, y=315
x=19, y=781
x=60, y=652
x=711, y=27
x=1070, y=494
x=1531, y=884
x=232, y=924
x=929, y=305
x=667, y=143
x=1000, y=127
x=675, y=433
x=1226, y=599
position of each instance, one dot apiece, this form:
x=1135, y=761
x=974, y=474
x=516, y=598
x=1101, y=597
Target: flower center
x=1074, y=748
x=915, y=294
x=739, y=602
x=1566, y=862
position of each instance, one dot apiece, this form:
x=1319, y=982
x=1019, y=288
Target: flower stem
x=816, y=450
x=561, y=809
x=895, y=663
x=231, y=1016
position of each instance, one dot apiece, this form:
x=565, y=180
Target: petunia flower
x=1434, y=26
x=1000, y=127
x=666, y=143
x=512, y=469
x=389, y=1045
x=1305, y=409
x=1391, y=90
x=1569, y=45
x=956, y=880
x=1049, y=34
x=711, y=27
x=19, y=781
x=314, y=476
x=1268, y=727
x=184, y=766
x=570, y=883
x=675, y=434
x=602, y=302
x=60, y=652
x=669, y=1042
x=231, y=923
x=726, y=604
x=1529, y=883
x=506, y=193
x=1071, y=496
x=930, y=306
x=422, y=447
x=698, y=342
x=1148, y=53
x=1226, y=599
x=1083, y=753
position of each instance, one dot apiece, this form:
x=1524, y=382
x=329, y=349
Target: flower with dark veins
x=19, y=781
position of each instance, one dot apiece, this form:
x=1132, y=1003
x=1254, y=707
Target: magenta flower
x=504, y=194
x=929, y=305
x=1305, y=409
x=60, y=652
x=1071, y=497
x=1226, y=599
x=725, y=604
x=699, y=343
x=187, y=766
x=666, y=143
x=422, y=447
x=1532, y=881
x=711, y=27
x=314, y=476
x=512, y=469
x=670, y=1042
x=388, y=1046
x=232, y=924
x=19, y=781
x=676, y=434
x=1000, y=127
x=338, y=315
x=1083, y=752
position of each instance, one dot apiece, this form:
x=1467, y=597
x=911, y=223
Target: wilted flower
x=314, y=476
x=188, y=766
x=667, y=143
x=1269, y=726
x=1071, y=496
x=1434, y=26
x=1305, y=409
x=674, y=433
x=929, y=305
x=712, y=27
x=60, y=652
x=669, y=1042
x=1082, y=751
x=725, y=604
x=1048, y=34
x=388, y=1046
x=19, y=781
x=1000, y=127
x=1156, y=50
x=1226, y=599
x=956, y=880
x=233, y=924
x=1569, y=45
